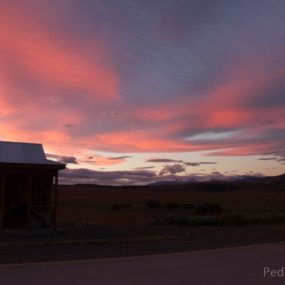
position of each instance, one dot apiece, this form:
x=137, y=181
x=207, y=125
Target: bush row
x=203, y=209
x=234, y=219
x=117, y=207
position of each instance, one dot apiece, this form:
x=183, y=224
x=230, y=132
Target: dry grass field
x=127, y=205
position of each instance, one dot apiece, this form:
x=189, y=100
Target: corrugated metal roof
x=25, y=153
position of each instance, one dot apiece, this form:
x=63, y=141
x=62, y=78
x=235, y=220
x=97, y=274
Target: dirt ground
x=99, y=242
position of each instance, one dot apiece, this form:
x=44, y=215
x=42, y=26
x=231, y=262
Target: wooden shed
x=28, y=187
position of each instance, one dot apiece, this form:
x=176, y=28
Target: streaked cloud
x=104, y=160
x=199, y=163
x=120, y=157
x=144, y=167
x=268, y=158
x=162, y=160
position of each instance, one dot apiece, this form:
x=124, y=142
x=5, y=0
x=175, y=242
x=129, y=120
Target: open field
x=127, y=206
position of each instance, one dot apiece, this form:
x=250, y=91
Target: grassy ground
x=93, y=204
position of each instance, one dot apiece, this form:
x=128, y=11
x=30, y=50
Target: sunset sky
x=137, y=91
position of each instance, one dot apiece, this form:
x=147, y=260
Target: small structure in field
x=28, y=187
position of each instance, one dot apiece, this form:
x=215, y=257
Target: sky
x=139, y=91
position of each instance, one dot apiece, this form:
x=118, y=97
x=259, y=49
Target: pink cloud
x=75, y=91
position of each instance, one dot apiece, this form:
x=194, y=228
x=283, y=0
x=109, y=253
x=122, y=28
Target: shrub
x=231, y=219
x=171, y=205
x=209, y=209
x=125, y=205
x=153, y=204
x=115, y=207
x=188, y=206
x=118, y=207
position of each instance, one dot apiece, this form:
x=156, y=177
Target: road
x=235, y=266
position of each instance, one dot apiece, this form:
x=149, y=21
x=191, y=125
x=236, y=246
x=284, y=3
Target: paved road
x=242, y=266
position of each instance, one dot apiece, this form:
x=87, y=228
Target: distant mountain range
x=280, y=179
x=232, y=183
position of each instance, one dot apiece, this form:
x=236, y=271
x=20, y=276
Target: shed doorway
x=16, y=201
